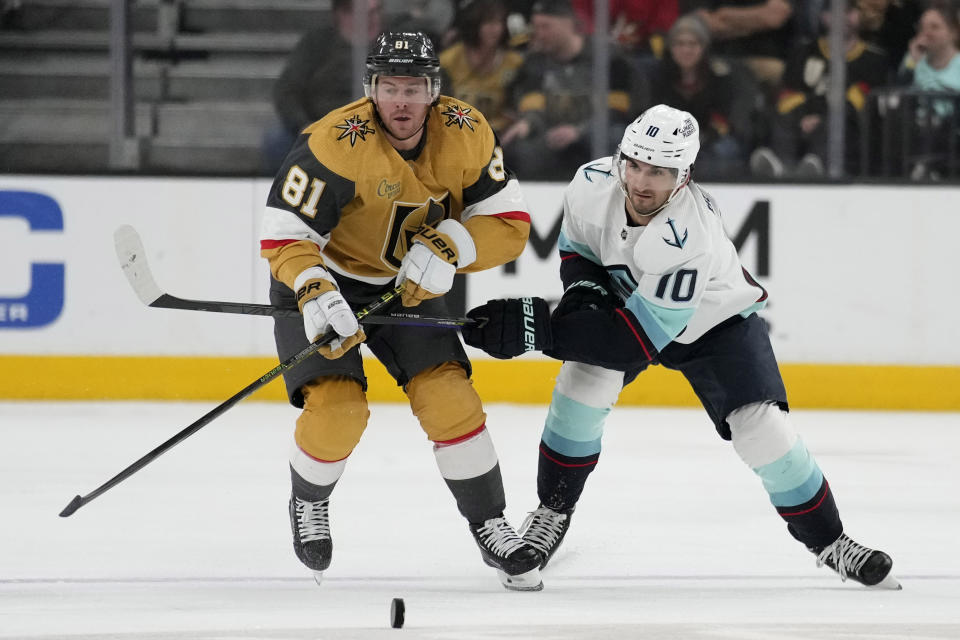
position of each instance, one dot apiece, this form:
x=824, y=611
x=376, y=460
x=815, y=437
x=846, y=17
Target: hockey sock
x=313, y=480
x=560, y=478
x=764, y=439
x=816, y=522
x=470, y=468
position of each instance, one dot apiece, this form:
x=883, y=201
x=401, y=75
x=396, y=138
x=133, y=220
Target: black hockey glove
x=508, y=328
x=586, y=295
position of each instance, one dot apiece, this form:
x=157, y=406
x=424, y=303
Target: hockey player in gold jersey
x=402, y=187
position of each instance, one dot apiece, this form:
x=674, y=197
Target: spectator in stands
x=317, y=77
x=932, y=63
x=759, y=32
x=800, y=127
x=889, y=25
x=433, y=17
x=554, y=100
x=638, y=27
x=691, y=79
x=480, y=68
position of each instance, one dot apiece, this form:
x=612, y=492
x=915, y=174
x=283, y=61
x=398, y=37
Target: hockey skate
x=857, y=562
x=544, y=530
x=516, y=562
x=310, y=522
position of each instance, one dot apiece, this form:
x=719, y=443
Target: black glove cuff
x=509, y=328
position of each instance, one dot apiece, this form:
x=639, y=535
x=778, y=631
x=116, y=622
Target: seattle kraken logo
x=677, y=241
x=590, y=167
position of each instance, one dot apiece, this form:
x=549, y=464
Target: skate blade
x=889, y=583
x=529, y=581
x=318, y=577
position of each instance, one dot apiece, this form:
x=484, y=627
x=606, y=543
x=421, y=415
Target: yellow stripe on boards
x=519, y=381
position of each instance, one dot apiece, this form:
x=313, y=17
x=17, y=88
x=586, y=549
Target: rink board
x=861, y=278
x=521, y=381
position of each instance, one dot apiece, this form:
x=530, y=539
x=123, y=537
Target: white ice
x=674, y=536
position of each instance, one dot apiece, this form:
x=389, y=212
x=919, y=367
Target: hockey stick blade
x=78, y=501
x=133, y=262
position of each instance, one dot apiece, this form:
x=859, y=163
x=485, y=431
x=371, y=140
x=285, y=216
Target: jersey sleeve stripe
x=636, y=333
x=275, y=244
x=513, y=215
x=279, y=224
x=660, y=324
x=507, y=199
x=565, y=245
x=749, y=278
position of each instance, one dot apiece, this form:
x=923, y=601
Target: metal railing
x=907, y=132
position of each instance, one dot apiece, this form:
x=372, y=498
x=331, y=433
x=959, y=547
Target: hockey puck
x=397, y=612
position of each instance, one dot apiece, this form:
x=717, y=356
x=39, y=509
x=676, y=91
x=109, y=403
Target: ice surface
x=674, y=537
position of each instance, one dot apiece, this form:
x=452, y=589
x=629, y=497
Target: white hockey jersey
x=679, y=275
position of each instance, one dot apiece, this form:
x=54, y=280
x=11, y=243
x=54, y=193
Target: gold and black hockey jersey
x=346, y=199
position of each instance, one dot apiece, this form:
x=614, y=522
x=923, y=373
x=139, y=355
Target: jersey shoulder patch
x=463, y=133
x=457, y=114
x=597, y=172
x=460, y=136
x=590, y=192
x=345, y=138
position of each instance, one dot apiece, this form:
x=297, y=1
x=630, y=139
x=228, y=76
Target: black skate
x=544, y=530
x=310, y=522
x=516, y=562
x=862, y=564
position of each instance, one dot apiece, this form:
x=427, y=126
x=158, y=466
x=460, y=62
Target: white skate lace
x=498, y=536
x=848, y=556
x=542, y=528
x=313, y=520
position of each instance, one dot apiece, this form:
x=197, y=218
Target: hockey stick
x=133, y=262
x=287, y=364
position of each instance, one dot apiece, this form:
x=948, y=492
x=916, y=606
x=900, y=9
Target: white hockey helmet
x=664, y=137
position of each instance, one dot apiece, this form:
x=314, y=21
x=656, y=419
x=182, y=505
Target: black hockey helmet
x=403, y=53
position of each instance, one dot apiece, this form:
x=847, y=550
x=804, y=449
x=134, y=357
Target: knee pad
x=445, y=402
x=582, y=398
x=335, y=413
x=590, y=385
x=761, y=433
x=765, y=440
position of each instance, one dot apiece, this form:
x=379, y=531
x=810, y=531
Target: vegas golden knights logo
x=406, y=219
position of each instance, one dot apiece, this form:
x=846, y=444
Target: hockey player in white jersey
x=650, y=277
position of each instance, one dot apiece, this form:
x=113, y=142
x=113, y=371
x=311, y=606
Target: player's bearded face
x=648, y=186
x=402, y=103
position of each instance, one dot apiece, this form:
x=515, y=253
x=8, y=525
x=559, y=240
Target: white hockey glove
x=433, y=259
x=323, y=308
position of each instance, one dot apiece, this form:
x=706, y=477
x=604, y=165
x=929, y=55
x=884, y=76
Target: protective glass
x=413, y=90
x=641, y=176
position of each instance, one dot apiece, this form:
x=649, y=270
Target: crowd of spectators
x=755, y=73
